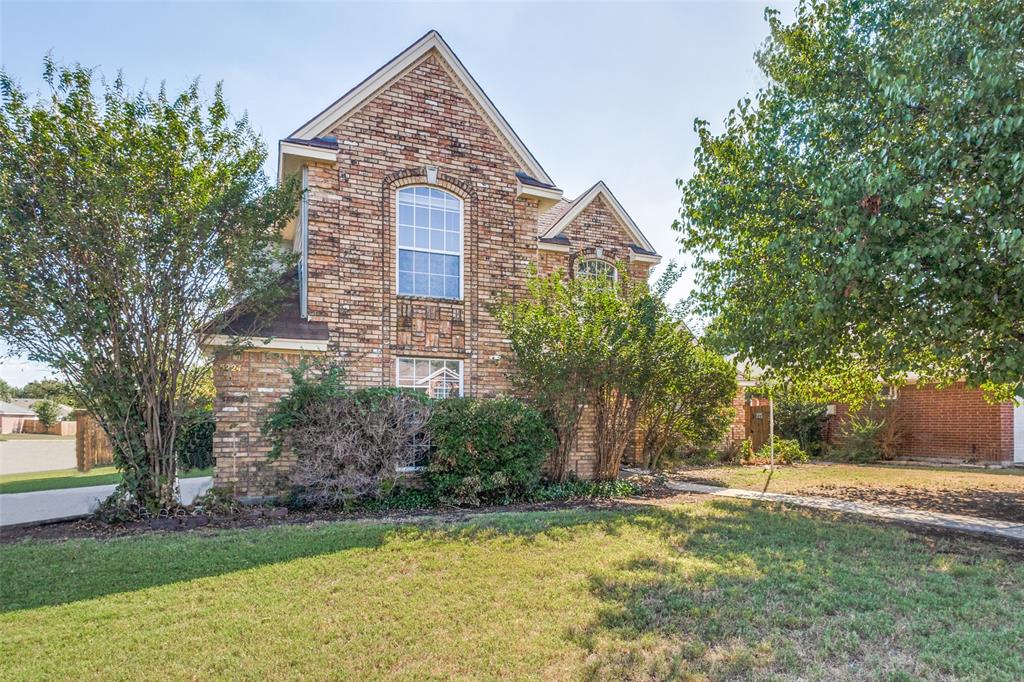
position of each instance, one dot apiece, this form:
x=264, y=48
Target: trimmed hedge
x=486, y=451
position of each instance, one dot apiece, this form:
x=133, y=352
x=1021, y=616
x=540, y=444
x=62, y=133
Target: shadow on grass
x=725, y=589
x=34, y=573
x=748, y=591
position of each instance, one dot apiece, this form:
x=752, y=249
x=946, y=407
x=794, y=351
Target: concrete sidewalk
x=64, y=503
x=969, y=524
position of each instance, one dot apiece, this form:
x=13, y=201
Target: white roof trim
x=271, y=343
x=546, y=198
x=644, y=258
x=307, y=152
x=326, y=120
x=598, y=190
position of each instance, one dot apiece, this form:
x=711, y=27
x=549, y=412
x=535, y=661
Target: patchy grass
x=70, y=478
x=723, y=589
x=987, y=493
x=798, y=478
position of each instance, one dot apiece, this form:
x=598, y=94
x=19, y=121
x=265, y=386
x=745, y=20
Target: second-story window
x=597, y=269
x=429, y=243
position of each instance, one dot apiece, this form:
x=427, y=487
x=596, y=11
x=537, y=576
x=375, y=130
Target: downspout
x=304, y=245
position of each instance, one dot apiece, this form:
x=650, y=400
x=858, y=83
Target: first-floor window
x=438, y=378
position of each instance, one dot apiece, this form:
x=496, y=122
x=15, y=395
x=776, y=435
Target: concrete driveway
x=24, y=456
x=50, y=505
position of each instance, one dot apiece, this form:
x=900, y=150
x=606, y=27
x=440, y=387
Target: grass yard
x=714, y=588
x=70, y=478
x=32, y=436
x=799, y=478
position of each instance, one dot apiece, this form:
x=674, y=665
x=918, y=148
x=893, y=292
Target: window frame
x=462, y=375
x=462, y=243
x=595, y=259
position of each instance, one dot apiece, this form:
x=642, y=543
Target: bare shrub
x=353, y=446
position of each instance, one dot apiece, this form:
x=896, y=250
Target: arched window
x=595, y=268
x=429, y=243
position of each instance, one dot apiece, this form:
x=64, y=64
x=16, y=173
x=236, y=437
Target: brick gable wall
x=423, y=118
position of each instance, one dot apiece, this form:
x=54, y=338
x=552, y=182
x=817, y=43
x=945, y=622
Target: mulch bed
x=262, y=517
x=988, y=504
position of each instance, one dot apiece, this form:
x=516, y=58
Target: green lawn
x=69, y=478
x=723, y=589
x=788, y=479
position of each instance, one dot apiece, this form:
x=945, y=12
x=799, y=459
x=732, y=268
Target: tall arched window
x=596, y=268
x=429, y=243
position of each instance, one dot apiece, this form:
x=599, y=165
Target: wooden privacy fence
x=61, y=428
x=92, y=447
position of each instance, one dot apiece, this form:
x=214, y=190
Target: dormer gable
x=558, y=219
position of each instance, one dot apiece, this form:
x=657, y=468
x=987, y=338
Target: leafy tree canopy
x=49, y=389
x=47, y=412
x=6, y=390
x=865, y=208
x=618, y=350
x=132, y=224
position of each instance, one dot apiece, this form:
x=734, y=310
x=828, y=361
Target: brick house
x=422, y=208
x=943, y=425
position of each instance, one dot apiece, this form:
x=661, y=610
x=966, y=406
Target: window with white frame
x=437, y=378
x=429, y=243
x=595, y=268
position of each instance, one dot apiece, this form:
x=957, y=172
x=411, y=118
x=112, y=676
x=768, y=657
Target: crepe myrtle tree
x=865, y=208
x=133, y=224
x=611, y=346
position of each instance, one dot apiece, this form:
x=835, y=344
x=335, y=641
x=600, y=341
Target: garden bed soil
x=980, y=503
x=261, y=517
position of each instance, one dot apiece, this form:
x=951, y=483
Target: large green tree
x=48, y=389
x=131, y=222
x=617, y=349
x=866, y=206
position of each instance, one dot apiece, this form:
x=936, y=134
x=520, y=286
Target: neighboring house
x=948, y=425
x=64, y=412
x=955, y=424
x=423, y=209
x=12, y=416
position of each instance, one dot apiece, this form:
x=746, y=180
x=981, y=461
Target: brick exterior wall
x=248, y=383
x=955, y=422
x=423, y=118
x=738, y=428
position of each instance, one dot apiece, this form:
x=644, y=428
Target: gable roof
x=15, y=410
x=326, y=120
x=574, y=208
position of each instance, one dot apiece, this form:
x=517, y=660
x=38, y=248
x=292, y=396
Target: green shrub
x=787, y=451
x=486, y=451
x=48, y=412
x=860, y=439
x=217, y=502
x=194, y=443
x=801, y=421
x=585, y=490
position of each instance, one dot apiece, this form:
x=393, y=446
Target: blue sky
x=596, y=91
